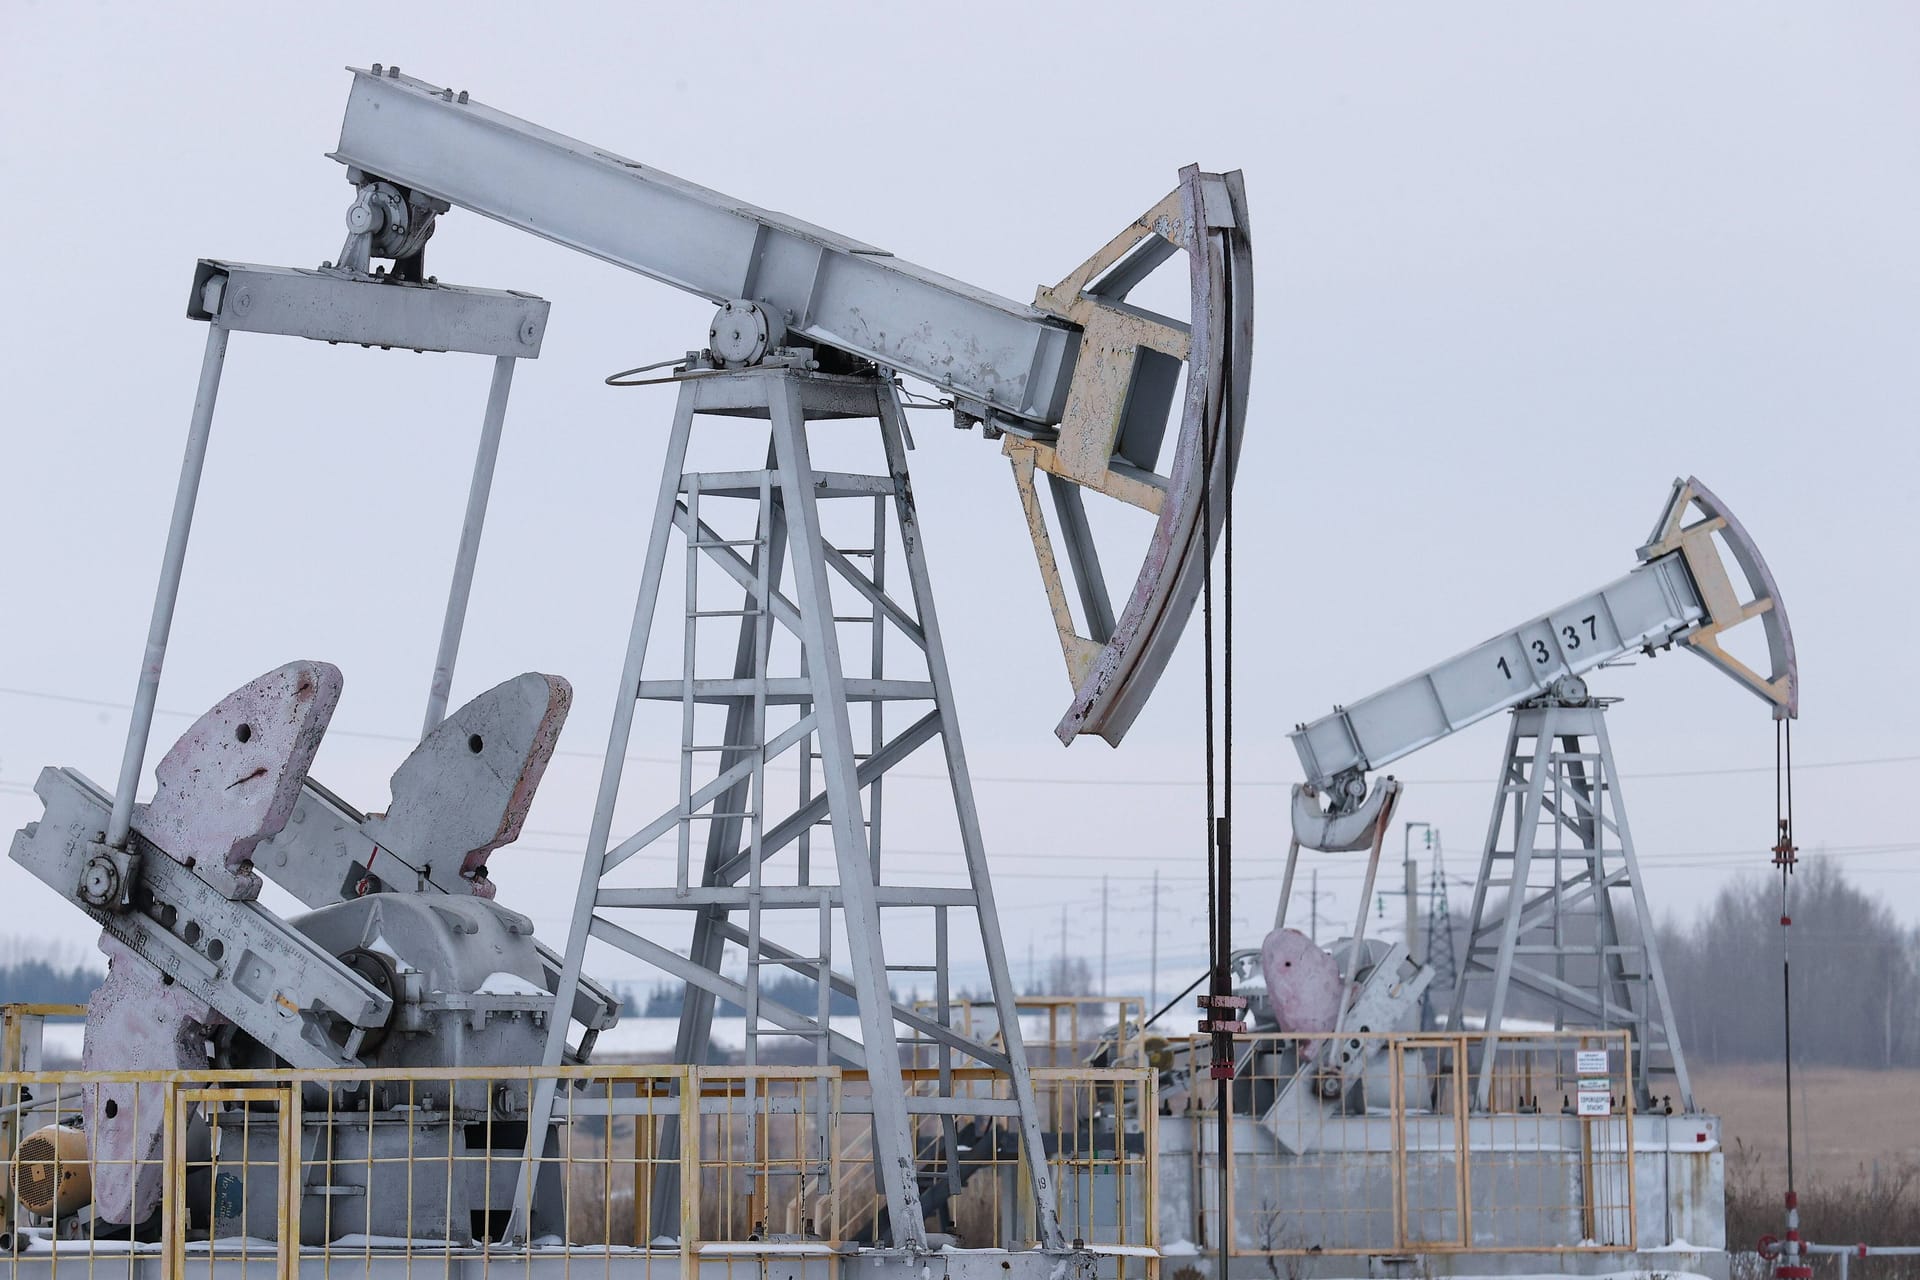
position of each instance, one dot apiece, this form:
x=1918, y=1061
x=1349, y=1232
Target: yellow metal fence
x=746, y=1162
x=1057, y=1031
x=1394, y=1157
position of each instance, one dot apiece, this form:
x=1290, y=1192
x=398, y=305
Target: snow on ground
x=630, y=1038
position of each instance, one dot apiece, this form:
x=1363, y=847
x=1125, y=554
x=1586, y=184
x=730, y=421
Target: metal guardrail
x=280, y=1166
x=1057, y=1031
x=1771, y=1251
x=20, y=1026
x=1391, y=1158
x=779, y=1159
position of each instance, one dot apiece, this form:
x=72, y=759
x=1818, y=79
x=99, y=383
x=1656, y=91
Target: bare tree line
x=1856, y=973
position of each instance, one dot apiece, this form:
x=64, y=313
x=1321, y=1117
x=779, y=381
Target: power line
x=1676, y=858
x=105, y=704
x=1692, y=859
x=1026, y=779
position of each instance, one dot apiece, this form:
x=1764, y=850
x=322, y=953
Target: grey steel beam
x=1510, y=779
x=711, y=981
x=1642, y=909
x=468, y=553
x=694, y=1031
x=837, y=560
x=811, y=968
x=776, y=897
x=600, y=831
x=736, y=772
x=1603, y=1012
x=893, y=430
x=736, y=565
x=329, y=306
x=336, y=306
x=790, y=828
x=892, y=1132
x=1083, y=555
x=1654, y=605
x=993, y=350
x=785, y=690
x=827, y=484
x=167, y=592
x=1526, y=825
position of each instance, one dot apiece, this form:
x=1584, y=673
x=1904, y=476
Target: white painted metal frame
x=1003, y=355
x=1559, y=798
x=789, y=552
x=1654, y=605
x=328, y=306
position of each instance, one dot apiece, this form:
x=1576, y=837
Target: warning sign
x=1594, y=1102
x=1590, y=1062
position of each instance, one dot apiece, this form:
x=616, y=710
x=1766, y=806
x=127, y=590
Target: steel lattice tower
x=1440, y=955
x=1560, y=854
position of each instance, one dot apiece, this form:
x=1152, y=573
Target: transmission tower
x=1440, y=957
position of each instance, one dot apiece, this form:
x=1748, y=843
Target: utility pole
x=1415, y=952
x=1420, y=955
x=1153, y=952
x=1412, y=894
x=1060, y=978
x=1103, y=935
x=1313, y=892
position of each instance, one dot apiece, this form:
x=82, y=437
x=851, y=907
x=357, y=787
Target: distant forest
x=38, y=982
x=791, y=990
x=1856, y=976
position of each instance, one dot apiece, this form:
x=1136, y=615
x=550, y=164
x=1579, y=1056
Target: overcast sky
x=1518, y=267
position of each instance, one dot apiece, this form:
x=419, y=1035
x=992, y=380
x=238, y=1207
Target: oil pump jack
x=404, y=956
x=1570, y=925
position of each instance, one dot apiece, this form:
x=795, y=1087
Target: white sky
x=1519, y=265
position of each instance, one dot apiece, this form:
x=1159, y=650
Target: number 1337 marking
x=1569, y=635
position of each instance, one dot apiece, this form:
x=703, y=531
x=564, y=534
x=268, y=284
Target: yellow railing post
x=1633, y=1212
x=692, y=1082
x=173, y=1176
x=1396, y=1092
x=1150, y=1148
x=1112, y=1101
x=1463, y=1146
x=292, y=1181
x=1230, y=1240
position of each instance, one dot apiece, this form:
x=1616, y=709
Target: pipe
x=469, y=553
x=133, y=759
x=1791, y=1251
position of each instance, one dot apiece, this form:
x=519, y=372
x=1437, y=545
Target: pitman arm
x=1682, y=593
